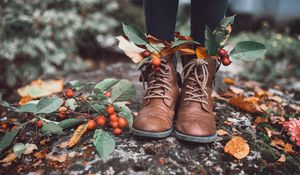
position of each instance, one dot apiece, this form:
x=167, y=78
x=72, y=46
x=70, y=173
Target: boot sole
x=141, y=133
x=197, y=139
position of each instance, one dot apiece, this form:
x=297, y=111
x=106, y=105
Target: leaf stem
x=90, y=104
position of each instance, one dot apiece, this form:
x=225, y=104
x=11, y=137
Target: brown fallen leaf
x=278, y=142
x=276, y=99
x=259, y=92
x=58, y=158
x=63, y=144
x=40, y=154
x=288, y=148
x=81, y=129
x=237, y=147
x=40, y=88
x=236, y=90
x=269, y=131
x=248, y=104
x=282, y=158
x=221, y=132
x=8, y=159
x=229, y=81
x=261, y=120
x=29, y=148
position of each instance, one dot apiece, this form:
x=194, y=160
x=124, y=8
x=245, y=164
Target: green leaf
x=135, y=34
x=71, y=104
x=105, y=84
x=47, y=105
x=28, y=107
x=104, y=143
x=51, y=128
x=67, y=123
x=101, y=108
x=226, y=21
x=76, y=84
x=221, y=35
x=140, y=65
x=8, y=138
x=248, y=50
x=19, y=149
x=125, y=112
x=181, y=42
x=211, y=44
x=123, y=90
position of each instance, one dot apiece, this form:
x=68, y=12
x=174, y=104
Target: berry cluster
x=223, y=54
x=117, y=123
x=155, y=61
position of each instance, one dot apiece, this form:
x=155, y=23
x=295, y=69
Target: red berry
x=113, y=124
x=146, y=53
x=117, y=131
x=110, y=109
x=62, y=115
x=113, y=117
x=39, y=124
x=101, y=120
x=4, y=126
x=91, y=124
x=69, y=93
x=226, y=61
x=156, y=68
x=108, y=94
x=122, y=122
x=155, y=62
x=222, y=52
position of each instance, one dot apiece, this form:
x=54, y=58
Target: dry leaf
x=201, y=52
x=282, y=158
x=236, y=90
x=29, y=148
x=187, y=51
x=278, y=142
x=40, y=154
x=130, y=49
x=261, y=120
x=40, y=88
x=249, y=104
x=221, y=132
x=25, y=99
x=8, y=159
x=229, y=81
x=259, y=92
x=63, y=144
x=276, y=99
x=288, y=148
x=81, y=129
x=269, y=131
x=229, y=123
x=58, y=158
x=237, y=147
x=263, y=107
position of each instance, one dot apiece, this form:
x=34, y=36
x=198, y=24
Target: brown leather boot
x=196, y=121
x=155, y=119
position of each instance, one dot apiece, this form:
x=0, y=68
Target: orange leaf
x=288, y=148
x=187, y=51
x=228, y=80
x=201, y=52
x=81, y=129
x=248, y=104
x=278, y=142
x=237, y=147
x=25, y=99
x=261, y=120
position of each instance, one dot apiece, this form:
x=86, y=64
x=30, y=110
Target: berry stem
x=90, y=104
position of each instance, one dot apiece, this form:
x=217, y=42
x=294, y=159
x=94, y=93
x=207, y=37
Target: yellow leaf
x=40, y=88
x=201, y=52
x=81, y=129
x=237, y=147
x=229, y=81
x=221, y=132
x=25, y=99
x=8, y=159
x=130, y=49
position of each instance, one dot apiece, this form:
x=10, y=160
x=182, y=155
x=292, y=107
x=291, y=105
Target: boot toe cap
x=151, y=124
x=196, y=128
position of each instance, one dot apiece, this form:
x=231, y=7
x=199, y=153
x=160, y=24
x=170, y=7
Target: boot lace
x=196, y=71
x=157, y=83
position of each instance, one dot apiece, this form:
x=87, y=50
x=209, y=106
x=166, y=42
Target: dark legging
x=161, y=17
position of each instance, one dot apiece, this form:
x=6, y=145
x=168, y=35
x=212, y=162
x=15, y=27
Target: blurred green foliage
x=45, y=37
x=282, y=58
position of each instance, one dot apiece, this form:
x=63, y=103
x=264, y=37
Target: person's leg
x=155, y=119
x=160, y=16
x=205, y=12
x=196, y=120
